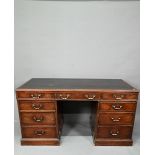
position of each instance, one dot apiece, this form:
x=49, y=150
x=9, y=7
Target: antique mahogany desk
x=112, y=117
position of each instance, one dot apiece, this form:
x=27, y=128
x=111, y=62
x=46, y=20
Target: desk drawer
x=35, y=95
x=120, y=132
x=119, y=96
x=36, y=118
x=39, y=132
x=117, y=106
x=116, y=118
x=77, y=96
x=36, y=105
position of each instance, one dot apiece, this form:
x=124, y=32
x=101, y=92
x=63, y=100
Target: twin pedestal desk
x=112, y=114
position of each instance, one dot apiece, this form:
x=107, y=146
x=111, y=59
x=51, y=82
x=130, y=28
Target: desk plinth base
x=40, y=141
x=112, y=142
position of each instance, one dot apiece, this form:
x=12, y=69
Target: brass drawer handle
x=64, y=97
x=37, y=106
x=39, y=119
x=90, y=97
x=117, y=107
x=114, y=133
x=39, y=132
x=118, y=97
x=115, y=120
x=35, y=96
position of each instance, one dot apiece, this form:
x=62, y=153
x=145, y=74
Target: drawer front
x=120, y=132
x=36, y=105
x=39, y=132
x=116, y=118
x=35, y=95
x=119, y=96
x=114, y=107
x=28, y=118
x=77, y=96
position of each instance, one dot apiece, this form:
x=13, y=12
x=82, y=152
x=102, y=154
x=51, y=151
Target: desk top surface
x=76, y=84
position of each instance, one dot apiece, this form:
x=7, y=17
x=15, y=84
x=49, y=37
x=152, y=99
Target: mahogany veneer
x=112, y=117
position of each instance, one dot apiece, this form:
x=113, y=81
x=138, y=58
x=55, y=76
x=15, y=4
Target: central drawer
x=115, y=118
x=36, y=118
x=39, y=132
x=77, y=96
